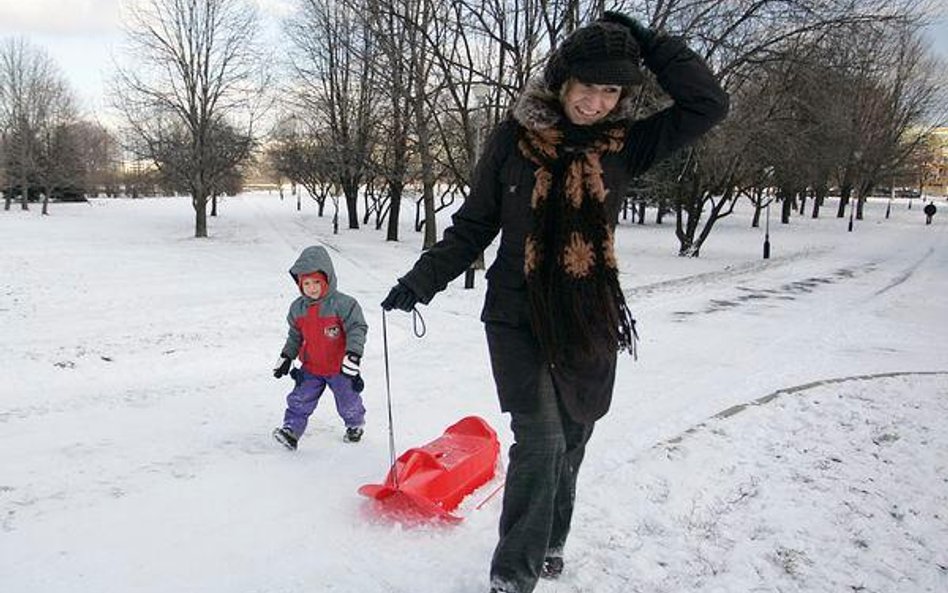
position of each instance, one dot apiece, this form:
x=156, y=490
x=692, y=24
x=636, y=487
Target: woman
x=551, y=182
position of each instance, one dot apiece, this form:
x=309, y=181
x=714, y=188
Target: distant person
x=551, y=182
x=930, y=211
x=327, y=333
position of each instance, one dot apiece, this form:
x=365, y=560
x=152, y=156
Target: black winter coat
x=499, y=202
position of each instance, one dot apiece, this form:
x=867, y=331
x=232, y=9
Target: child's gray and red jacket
x=323, y=330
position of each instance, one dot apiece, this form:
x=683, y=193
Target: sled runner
x=429, y=482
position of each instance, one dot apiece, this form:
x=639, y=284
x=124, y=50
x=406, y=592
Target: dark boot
x=552, y=567
x=286, y=437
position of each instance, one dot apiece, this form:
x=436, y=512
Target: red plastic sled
x=429, y=482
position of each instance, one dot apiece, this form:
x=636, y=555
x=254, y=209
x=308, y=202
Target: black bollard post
x=767, y=235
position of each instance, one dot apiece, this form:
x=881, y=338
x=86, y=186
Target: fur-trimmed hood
x=538, y=107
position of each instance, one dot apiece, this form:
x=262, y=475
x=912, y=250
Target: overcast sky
x=81, y=36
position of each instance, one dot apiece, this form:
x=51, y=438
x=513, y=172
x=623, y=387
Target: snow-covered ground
x=784, y=429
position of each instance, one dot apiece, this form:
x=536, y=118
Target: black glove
x=282, y=367
x=350, y=368
x=644, y=35
x=400, y=297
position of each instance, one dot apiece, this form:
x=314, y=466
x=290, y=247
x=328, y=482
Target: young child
x=327, y=333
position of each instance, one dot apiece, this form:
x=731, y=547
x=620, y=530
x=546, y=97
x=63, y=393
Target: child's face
x=313, y=286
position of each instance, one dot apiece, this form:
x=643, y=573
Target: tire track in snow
x=906, y=274
x=786, y=291
x=732, y=411
x=738, y=408
x=702, y=280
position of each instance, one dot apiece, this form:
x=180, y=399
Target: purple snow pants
x=301, y=402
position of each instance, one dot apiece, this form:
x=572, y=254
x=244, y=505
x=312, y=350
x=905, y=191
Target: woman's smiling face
x=585, y=103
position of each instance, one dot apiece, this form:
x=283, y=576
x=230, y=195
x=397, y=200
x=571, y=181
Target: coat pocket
x=505, y=305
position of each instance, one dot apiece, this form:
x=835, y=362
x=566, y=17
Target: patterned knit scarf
x=577, y=307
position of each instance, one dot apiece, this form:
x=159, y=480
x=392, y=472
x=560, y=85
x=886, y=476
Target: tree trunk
x=425, y=155
x=431, y=222
x=395, y=206
x=351, y=191
x=713, y=216
x=24, y=194
x=662, y=210
x=199, y=201
x=844, y=194
x=821, y=192
x=686, y=225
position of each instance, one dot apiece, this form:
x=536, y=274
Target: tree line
x=377, y=100
x=46, y=148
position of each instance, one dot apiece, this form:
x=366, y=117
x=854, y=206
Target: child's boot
x=286, y=437
x=353, y=434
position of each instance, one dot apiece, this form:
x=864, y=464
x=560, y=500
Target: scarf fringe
x=594, y=333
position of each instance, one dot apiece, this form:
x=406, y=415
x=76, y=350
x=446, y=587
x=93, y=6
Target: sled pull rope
x=418, y=323
x=418, y=328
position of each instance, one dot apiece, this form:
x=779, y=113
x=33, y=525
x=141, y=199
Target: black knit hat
x=599, y=53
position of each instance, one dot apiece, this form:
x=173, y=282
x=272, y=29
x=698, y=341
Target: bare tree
x=400, y=75
x=740, y=39
x=227, y=151
x=58, y=144
x=296, y=153
x=469, y=60
x=194, y=68
x=32, y=92
x=334, y=90
x=101, y=158
x=892, y=92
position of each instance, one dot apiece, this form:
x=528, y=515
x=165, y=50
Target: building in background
x=935, y=180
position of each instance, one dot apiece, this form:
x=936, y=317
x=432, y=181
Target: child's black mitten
x=283, y=367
